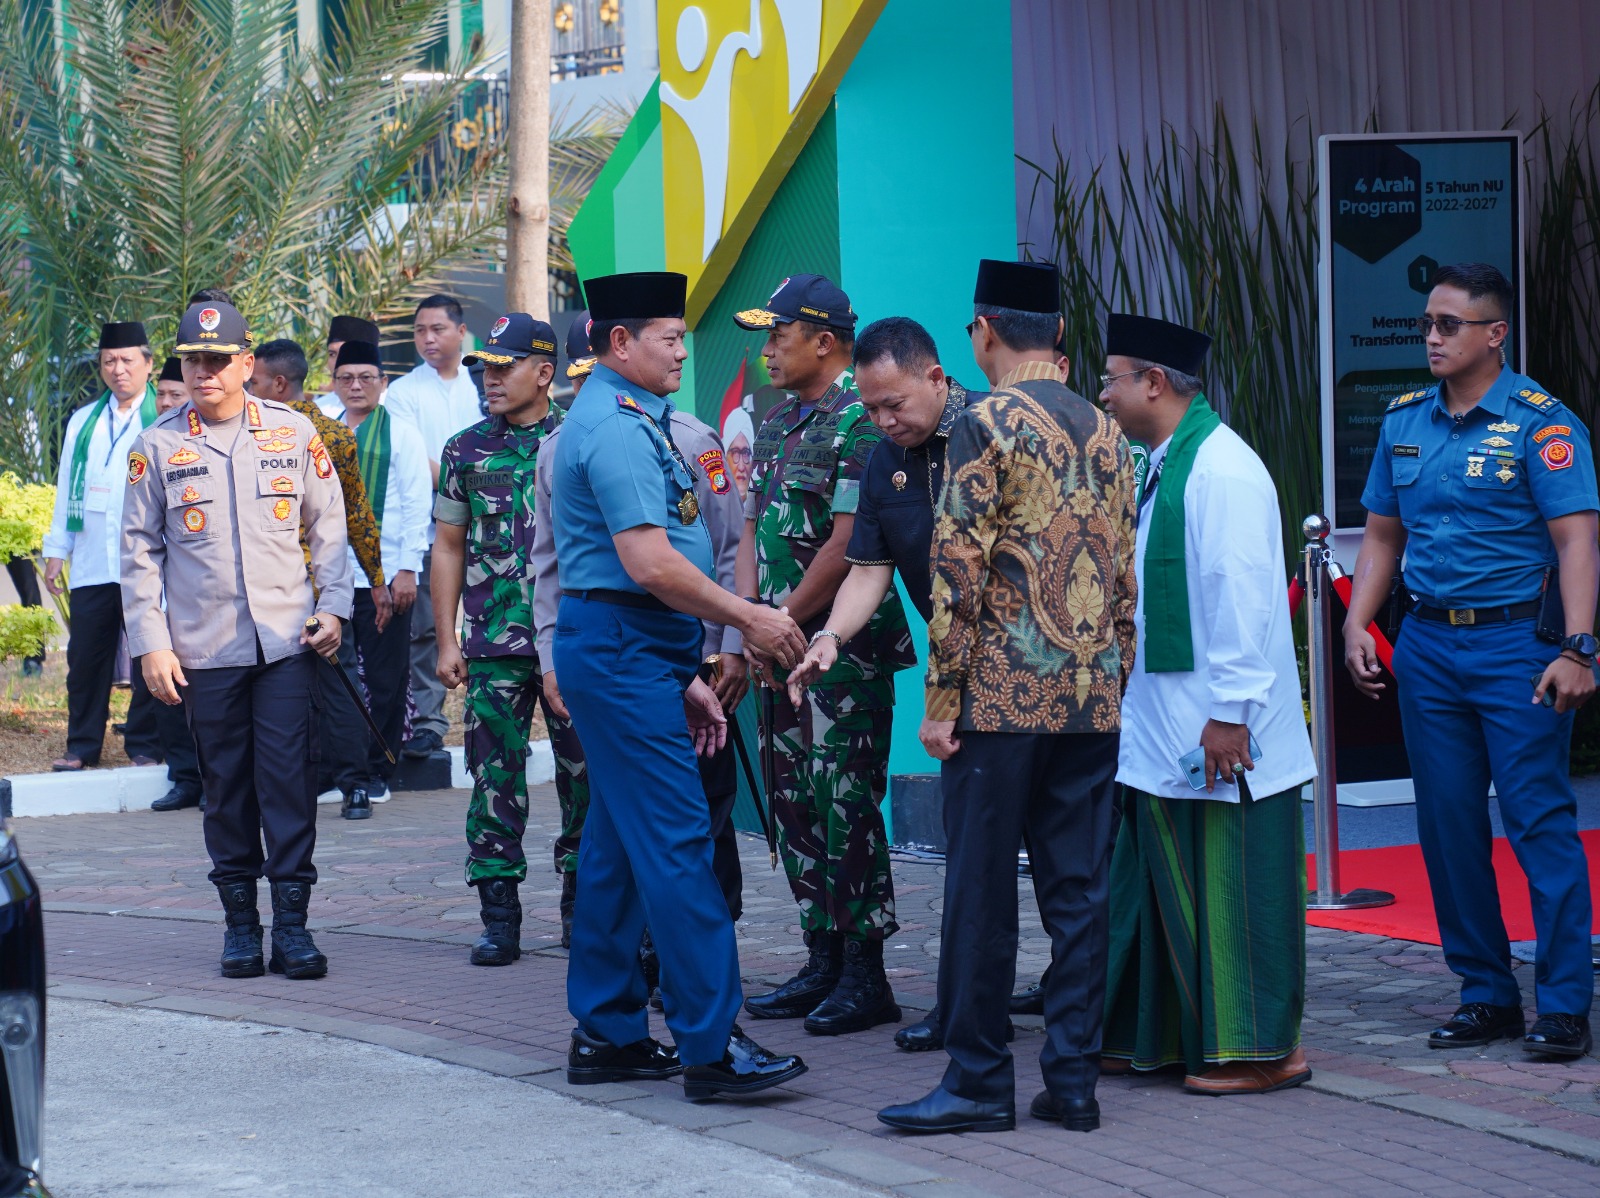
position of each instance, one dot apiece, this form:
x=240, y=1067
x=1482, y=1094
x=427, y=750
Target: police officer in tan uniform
x=217, y=491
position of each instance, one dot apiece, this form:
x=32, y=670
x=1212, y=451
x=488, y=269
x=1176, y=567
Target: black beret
x=1020, y=286
x=1158, y=341
x=123, y=334
x=355, y=352
x=644, y=295
x=171, y=370
x=352, y=328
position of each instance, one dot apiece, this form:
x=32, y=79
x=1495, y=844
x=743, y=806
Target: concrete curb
x=135, y=787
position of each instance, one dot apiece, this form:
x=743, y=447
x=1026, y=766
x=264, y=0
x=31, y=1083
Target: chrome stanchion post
x=1325, y=786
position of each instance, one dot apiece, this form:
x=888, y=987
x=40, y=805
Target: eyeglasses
x=973, y=325
x=1448, y=326
x=366, y=378
x=1107, y=379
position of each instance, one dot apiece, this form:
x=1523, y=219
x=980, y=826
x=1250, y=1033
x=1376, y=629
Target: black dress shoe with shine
x=1558, y=1035
x=745, y=1068
x=356, y=805
x=591, y=1061
x=1075, y=1114
x=925, y=1035
x=1029, y=1000
x=175, y=800
x=1476, y=1024
x=942, y=1111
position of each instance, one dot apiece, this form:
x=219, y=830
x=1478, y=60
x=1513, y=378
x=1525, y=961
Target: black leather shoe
x=424, y=744
x=1029, y=1000
x=1476, y=1024
x=241, y=942
x=926, y=1035
x=804, y=992
x=569, y=903
x=745, y=1068
x=944, y=1111
x=294, y=953
x=591, y=1061
x=175, y=800
x=861, y=999
x=1559, y=1035
x=356, y=805
x=501, y=941
x=1075, y=1114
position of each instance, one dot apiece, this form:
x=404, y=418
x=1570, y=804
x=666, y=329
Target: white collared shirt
x=95, y=553
x=437, y=408
x=407, y=502
x=1245, y=668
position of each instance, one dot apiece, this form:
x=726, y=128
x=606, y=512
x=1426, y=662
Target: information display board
x=1393, y=209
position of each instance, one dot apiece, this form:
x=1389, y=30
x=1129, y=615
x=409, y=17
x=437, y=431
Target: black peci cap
x=1158, y=341
x=812, y=298
x=356, y=352
x=1020, y=286
x=171, y=370
x=580, y=354
x=123, y=334
x=352, y=328
x=515, y=335
x=212, y=328
x=644, y=295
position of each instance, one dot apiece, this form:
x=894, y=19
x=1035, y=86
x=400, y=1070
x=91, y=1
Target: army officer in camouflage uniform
x=217, y=492
x=485, y=517
x=833, y=748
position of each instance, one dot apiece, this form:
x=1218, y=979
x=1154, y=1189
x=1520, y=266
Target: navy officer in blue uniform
x=1487, y=485
x=637, y=577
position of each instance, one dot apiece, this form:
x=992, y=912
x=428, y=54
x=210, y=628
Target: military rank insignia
x=1557, y=454
x=194, y=520
x=716, y=473
x=190, y=495
x=183, y=456
x=632, y=404
x=283, y=485
x=1537, y=398
x=319, y=456
x=281, y=510
x=137, y=465
x=194, y=423
x=253, y=413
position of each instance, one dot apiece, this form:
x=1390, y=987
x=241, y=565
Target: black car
x=21, y=1018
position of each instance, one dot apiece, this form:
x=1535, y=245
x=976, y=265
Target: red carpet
x=1400, y=871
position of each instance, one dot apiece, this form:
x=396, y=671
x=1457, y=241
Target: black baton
x=314, y=626
x=736, y=735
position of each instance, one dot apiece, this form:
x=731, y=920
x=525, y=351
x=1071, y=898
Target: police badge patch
x=716, y=473
x=194, y=520
x=137, y=465
x=319, y=456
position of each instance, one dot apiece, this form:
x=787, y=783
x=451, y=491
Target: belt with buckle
x=1461, y=616
x=622, y=599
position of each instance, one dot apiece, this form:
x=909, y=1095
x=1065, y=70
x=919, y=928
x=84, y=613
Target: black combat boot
x=501, y=942
x=241, y=943
x=569, y=900
x=862, y=999
x=294, y=953
x=801, y=994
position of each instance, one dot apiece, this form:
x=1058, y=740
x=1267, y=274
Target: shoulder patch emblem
x=190, y=495
x=137, y=465
x=283, y=485
x=183, y=457
x=1552, y=430
x=281, y=509
x=319, y=456
x=1557, y=455
x=194, y=520
x=630, y=403
x=716, y=473
x=195, y=427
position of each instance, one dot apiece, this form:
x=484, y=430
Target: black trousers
x=25, y=578
x=177, y=745
x=1058, y=791
x=719, y=777
x=91, y=657
x=253, y=732
x=350, y=756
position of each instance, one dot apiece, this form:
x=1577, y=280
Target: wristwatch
x=1581, y=643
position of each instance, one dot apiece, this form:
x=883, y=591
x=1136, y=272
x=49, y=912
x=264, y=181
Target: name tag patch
x=1407, y=451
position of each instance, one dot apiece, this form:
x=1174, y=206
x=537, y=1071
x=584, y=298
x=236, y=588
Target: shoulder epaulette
x=1410, y=397
x=630, y=404
x=1536, y=399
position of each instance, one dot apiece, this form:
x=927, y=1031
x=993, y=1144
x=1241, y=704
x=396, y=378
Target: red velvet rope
x=1341, y=586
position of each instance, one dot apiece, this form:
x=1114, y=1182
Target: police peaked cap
x=352, y=328
x=1020, y=286
x=355, y=352
x=212, y=327
x=123, y=334
x=644, y=295
x=171, y=370
x=1158, y=341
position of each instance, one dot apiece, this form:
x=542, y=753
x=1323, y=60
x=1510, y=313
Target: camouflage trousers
x=502, y=693
x=832, y=773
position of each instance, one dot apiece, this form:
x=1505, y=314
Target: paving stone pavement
x=132, y=919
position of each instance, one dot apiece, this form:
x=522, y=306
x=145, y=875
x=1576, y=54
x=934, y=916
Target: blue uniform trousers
x=646, y=856
x=1465, y=705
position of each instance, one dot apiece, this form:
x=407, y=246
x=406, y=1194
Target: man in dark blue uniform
x=637, y=577
x=1487, y=485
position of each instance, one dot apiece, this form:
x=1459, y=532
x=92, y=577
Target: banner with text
x=1393, y=210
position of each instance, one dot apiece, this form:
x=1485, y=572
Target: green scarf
x=372, y=458
x=78, y=479
x=1168, y=638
